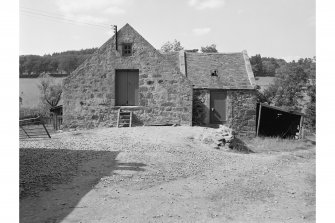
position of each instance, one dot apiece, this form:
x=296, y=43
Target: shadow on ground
x=53, y=181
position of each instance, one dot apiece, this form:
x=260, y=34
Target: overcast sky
x=275, y=28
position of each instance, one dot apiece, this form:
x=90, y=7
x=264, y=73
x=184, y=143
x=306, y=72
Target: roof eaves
x=282, y=109
x=225, y=87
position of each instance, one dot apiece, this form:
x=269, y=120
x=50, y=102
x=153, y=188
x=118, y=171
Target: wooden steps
x=124, y=118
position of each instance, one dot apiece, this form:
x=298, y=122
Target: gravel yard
x=164, y=174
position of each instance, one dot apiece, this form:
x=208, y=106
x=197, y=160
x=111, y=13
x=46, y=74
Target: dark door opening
x=276, y=122
x=126, y=87
x=218, y=107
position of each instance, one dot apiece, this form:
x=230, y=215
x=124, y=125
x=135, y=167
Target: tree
x=310, y=68
x=265, y=66
x=269, y=67
x=288, y=88
x=311, y=108
x=171, y=47
x=51, y=92
x=257, y=65
x=209, y=49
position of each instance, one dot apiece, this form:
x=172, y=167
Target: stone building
x=128, y=73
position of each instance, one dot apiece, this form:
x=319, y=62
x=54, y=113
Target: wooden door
x=126, y=87
x=121, y=87
x=132, y=87
x=218, y=107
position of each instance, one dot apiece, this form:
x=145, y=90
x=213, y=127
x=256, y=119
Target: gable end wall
x=165, y=95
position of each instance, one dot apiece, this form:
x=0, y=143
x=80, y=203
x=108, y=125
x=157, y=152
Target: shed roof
x=233, y=70
x=282, y=109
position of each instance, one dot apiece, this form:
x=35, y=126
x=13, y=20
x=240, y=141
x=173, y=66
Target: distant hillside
x=56, y=64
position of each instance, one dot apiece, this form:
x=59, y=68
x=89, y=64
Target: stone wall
x=165, y=95
x=242, y=112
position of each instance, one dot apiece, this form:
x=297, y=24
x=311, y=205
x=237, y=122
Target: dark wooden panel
x=218, y=107
x=132, y=87
x=121, y=87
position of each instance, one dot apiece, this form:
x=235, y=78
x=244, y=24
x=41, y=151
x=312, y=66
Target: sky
x=273, y=28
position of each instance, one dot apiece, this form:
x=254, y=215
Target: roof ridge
x=219, y=53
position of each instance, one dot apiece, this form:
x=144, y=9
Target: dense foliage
x=209, y=49
x=172, y=46
x=288, y=87
x=176, y=46
x=294, y=88
x=265, y=66
x=198, y=110
x=56, y=63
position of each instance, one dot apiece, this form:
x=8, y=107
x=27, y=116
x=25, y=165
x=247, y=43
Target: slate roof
x=233, y=70
x=172, y=57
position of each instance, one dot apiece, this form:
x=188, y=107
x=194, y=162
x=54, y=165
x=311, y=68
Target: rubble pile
x=218, y=138
x=224, y=138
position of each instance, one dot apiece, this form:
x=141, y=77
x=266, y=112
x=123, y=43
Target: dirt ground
x=163, y=174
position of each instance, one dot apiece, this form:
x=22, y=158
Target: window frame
x=127, y=49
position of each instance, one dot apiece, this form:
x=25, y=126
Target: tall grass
x=272, y=144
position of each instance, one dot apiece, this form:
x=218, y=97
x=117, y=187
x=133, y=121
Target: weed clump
x=238, y=145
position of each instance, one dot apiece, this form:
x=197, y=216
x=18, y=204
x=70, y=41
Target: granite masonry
x=159, y=87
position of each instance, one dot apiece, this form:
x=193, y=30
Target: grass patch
x=270, y=144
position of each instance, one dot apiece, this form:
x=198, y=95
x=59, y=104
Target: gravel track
x=161, y=174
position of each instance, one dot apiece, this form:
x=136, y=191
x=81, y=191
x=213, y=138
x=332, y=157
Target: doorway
x=218, y=107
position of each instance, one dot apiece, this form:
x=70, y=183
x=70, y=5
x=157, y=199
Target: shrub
x=198, y=112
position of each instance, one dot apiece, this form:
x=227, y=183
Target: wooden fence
x=39, y=127
x=33, y=128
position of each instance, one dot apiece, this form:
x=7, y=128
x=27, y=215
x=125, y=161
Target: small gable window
x=127, y=49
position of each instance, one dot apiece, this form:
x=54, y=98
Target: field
x=164, y=174
x=264, y=82
x=30, y=92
